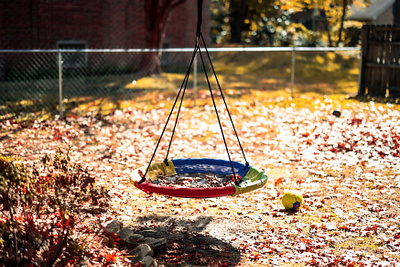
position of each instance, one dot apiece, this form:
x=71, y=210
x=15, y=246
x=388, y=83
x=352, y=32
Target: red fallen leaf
x=111, y=257
x=327, y=217
x=255, y=256
x=224, y=263
x=279, y=181
x=306, y=207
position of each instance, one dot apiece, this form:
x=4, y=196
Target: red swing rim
x=208, y=192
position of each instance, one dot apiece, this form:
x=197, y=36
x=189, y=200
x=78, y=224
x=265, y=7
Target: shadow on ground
x=187, y=242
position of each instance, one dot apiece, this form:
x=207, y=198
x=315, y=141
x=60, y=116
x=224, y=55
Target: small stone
x=125, y=233
x=133, y=240
x=149, y=262
x=140, y=252
x=155, y=243
x=112, y=226
x=153, y=233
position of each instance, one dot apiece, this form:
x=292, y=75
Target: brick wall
x=39, y=24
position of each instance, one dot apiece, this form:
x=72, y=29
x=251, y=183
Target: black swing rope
x=183, y=86
x=219, y=120
x=223, y=98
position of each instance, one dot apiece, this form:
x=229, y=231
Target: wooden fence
x=380, y=63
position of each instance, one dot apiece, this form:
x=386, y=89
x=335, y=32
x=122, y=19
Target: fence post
x=60, y=83
x=363, y=61
x=394, y=84
x=293, y=69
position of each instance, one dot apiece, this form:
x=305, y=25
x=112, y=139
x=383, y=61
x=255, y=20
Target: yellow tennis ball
x=292, y=200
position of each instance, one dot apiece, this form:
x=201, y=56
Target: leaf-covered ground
x=346, y=167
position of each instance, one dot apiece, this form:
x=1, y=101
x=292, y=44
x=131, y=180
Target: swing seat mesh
x=252, y=178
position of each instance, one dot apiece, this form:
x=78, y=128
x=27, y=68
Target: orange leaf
x=255, y=256
x=279, y=181
x=111, y=257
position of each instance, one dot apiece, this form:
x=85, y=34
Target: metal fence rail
x=33, y=82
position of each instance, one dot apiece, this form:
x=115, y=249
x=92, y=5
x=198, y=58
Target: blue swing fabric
x=215, y=166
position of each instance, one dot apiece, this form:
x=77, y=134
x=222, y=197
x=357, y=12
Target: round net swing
x=198, y=177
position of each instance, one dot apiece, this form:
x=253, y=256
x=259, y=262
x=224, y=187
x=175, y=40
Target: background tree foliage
x=244, y=21
x=334, y=12
x=269, y=22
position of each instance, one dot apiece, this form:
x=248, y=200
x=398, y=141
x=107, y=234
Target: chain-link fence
x=37, y=82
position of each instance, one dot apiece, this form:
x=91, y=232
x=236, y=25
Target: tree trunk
x=236, y=19
x=151, y=63
x=157, y=16
x=328, y=30
x=344, y=8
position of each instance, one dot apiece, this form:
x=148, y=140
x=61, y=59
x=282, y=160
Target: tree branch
x=177, y=3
